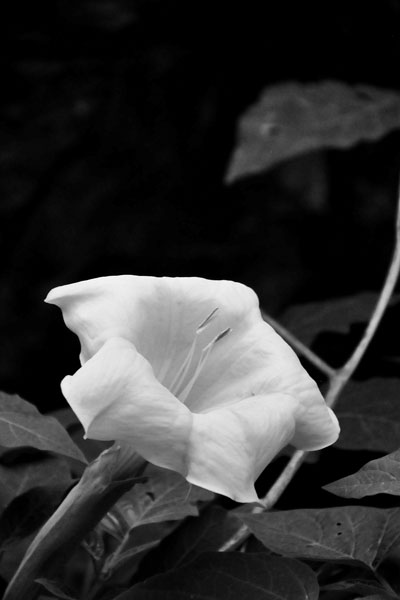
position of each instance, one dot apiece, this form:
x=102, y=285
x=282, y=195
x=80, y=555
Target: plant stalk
x=103, y=482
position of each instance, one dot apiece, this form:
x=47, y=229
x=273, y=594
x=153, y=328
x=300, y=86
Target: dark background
x=118, y=120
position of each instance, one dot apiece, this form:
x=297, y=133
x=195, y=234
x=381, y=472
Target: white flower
x=187, y=372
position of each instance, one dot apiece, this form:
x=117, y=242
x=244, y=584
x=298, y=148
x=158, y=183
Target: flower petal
x=159, y=316
x=116, y=397
x=253, y=359
x=231, y=446
x=316, y=427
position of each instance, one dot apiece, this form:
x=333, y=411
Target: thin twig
x=337, y=380
x=348, y=369
x=300, y=347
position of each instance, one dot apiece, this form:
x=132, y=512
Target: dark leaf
x=205, y=533
x=366, y=589
x=380, y=476
x=291, y=119
x=165, y=496
x=54, y=589
x=306, y=321
x=230, y=576
x=90, y=448
x=138, y=543
x=16, y=479
x=145, y=514
x=369, y=415
x=27, y=513
x=343, y=534
x=20, y=522
x=21, y=424
x=380, y=596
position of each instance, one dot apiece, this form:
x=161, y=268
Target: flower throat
x=183, y=383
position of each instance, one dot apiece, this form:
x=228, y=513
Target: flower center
x=189, y=371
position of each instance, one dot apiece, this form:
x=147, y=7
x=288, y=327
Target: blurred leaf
x=343, y=534
x=369, y=415
x=306, y=321
x=380, y=476
x=219, y=576
x=18, y=478
x=21, y=424
x=290, y=119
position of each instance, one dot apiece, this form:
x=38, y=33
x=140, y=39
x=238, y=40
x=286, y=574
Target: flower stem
x=337, y=380
x=103, y=482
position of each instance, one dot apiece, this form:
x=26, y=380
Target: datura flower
x=187, y=372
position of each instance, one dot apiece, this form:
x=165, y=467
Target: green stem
x=104, y=481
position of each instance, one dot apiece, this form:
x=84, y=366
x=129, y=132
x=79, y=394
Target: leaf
x=219, y=576
x=373, y=589
x=206, y=533
x=147, y=511
x=21, y=424
x=20, y=522
x=344, y=534
x=308, y=320
x=54, y=589
x=18, y=478
x=290, y=119
x=165, y=496
x=380, y=596
x=380, y=476
x=138, y=543
x=90, y=448
x=369, y=415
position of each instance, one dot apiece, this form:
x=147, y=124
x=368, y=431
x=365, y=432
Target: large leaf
x=343, y=534
x=380, y=476
x=21, y=424
x=215, y=576
x=369, y=415
x=18, y=478
x=291, y=119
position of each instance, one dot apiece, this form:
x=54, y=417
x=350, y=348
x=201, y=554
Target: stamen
x=207, y=320
x=203, y=358
x=183, y=371
x=181, y=374
x=221, y=335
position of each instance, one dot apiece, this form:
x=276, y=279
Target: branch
x=337, y=380
x=300, y=347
